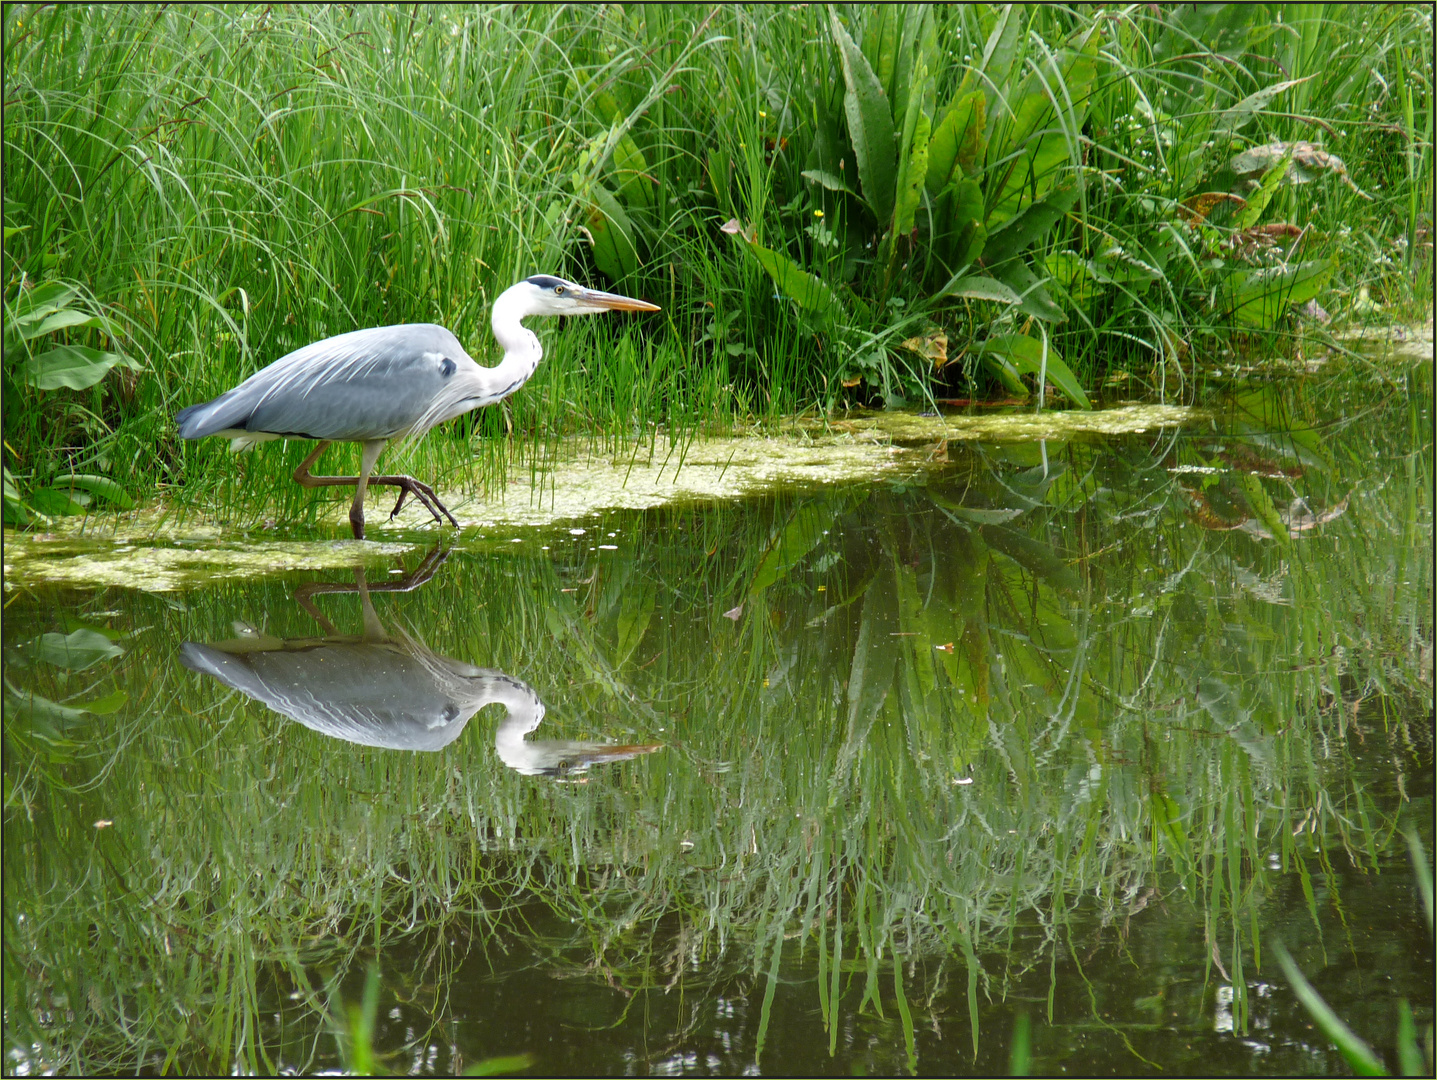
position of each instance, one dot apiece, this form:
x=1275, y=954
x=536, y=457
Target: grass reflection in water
x=1068, y=730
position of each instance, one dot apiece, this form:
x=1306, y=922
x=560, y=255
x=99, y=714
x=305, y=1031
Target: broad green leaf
x=828, y=180
x=630, y=165
x=98, y=485
x=54, y=503
x=976, y=287
x=1258, y=200
x=1037, y=221
x=15, y=513
x=1033, y=555
x=1001, y=368
x=979, y=515
x=74, y=366
x=881, y=44
x=957, y=143
x=805, y=290
x=1027, y=356
x=1233, y=119
x=1036, y=302
x=1052, y=105
x=909, y=80
x=1421, y=871
x=1001, y=49
x=612, y=235
x=501, y=1066
x=960, y=218
x=636, y=611
x=74, y=652
x=72, y=624
x=1167, y=822
x=49, y=719
x=32, y=305
x=1070, y=271
x=66, y=319
x=1264, y=295
x=914, y=164
x=875, y=658
x=870, y=124
x=104, y=706
x=720, y=180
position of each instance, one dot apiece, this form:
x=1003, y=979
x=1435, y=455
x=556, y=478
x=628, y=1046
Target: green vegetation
x=961, y=735
x=834, y=206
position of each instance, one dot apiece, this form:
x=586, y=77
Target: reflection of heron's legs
x=410, y=581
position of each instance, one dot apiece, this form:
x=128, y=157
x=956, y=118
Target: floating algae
x=170, y=567
x=146, y=549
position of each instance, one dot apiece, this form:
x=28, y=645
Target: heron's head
x=546, y=295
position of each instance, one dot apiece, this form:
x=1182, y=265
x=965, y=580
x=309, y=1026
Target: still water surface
x=853, y=779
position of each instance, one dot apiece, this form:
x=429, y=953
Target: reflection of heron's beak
x=606, y=301
x=597, y=754
x=561, y=759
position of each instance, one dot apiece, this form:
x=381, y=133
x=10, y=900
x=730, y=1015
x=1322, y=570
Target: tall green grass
x=231, y=183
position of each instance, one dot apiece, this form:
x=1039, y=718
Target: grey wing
x=367, y=384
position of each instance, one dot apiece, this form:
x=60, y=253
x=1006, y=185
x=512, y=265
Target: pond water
x=1035, y=751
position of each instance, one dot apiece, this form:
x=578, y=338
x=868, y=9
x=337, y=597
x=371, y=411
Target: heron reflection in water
x=390, y=690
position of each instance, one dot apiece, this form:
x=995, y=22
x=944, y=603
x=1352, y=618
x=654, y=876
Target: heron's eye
x=558, y=290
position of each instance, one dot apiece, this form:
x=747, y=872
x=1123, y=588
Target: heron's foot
x=407, y=486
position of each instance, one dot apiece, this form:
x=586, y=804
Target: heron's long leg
x=370, y=455
x=407, y=485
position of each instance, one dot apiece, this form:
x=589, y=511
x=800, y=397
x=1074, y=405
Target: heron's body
x=389, y=382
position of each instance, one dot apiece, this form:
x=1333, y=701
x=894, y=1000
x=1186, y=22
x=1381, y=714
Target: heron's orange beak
x=613, y=301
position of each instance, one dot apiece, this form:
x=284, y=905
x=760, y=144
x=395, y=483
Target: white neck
x=522, y=351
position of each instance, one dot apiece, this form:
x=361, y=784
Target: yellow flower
x=818, y=213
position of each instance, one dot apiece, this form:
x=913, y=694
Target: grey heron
x=389, y=382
